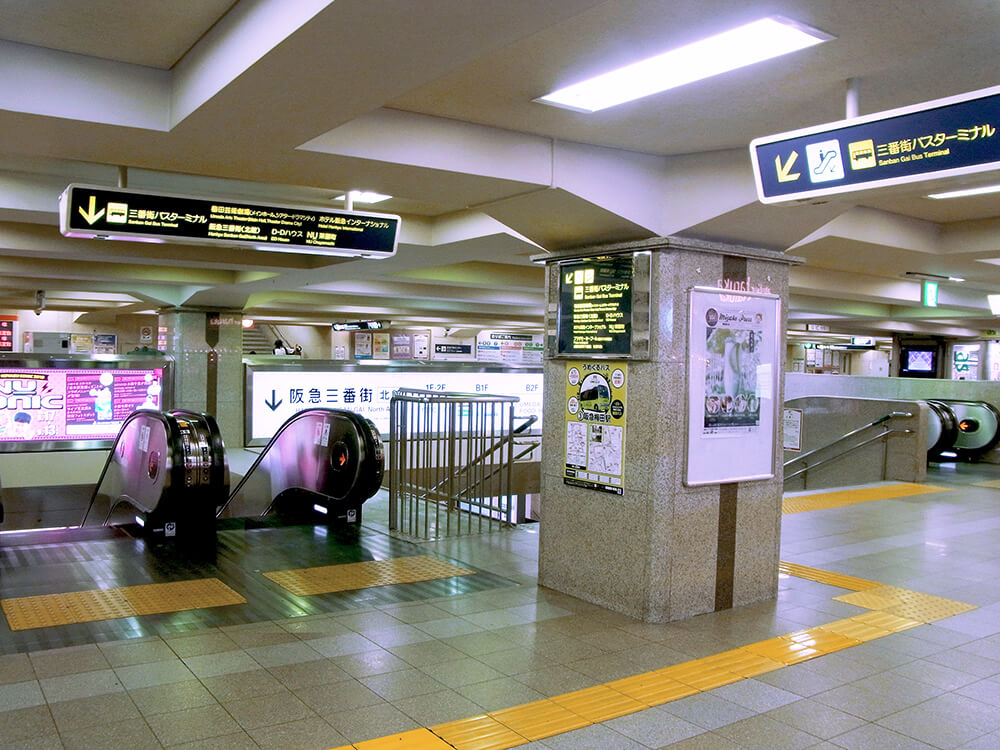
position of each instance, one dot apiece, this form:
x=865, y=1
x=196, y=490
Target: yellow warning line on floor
x=993, y=484
x=50, y=610
x=822, y=500
x=894, y=610
x=330, y=578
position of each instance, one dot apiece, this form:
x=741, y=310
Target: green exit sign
x=929, y=297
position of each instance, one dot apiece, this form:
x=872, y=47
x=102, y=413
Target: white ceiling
x=431, y=102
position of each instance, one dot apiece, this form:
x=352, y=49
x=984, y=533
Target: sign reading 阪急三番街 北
x=944, y=138
x=90, y=211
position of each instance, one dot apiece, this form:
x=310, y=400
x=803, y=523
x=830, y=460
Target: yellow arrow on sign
x=783, y=175
x=89, y=215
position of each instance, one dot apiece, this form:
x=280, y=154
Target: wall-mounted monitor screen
x=918, y=362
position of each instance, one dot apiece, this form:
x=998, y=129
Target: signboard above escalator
x=949, y=137
x=95, y=212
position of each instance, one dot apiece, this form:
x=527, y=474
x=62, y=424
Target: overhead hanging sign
x=943, y=138
x=112, y=213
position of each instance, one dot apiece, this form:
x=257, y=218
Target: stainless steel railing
x=845, y=449
x=450, y=462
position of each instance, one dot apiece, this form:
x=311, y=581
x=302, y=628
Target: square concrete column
x=207, y=348
x=662, y=550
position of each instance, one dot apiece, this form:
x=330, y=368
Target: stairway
x=258, y=339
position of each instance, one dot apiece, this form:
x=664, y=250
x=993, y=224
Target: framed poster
x=380, y=345
x=733, y=369
x=595, y=425
x=362, y=345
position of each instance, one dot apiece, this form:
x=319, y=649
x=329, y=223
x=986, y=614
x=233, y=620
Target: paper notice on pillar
x=595, y=425
x=733, y=337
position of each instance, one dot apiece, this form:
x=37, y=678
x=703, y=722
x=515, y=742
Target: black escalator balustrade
x=968, y=429
x=167, y=473
x=321, y=464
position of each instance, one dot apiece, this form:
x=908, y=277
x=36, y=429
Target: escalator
x=320, y=466
x=961, y=429
x=166, y=473
x=167, y=476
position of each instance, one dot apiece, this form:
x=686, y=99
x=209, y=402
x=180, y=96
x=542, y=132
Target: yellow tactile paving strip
x=825, y=576
x=50, y=610
x=330, y=578
x=893, y=610
x=821, y=500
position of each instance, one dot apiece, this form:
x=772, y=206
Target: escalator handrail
x=173, y=439
x=219, y=472
x=260, y=457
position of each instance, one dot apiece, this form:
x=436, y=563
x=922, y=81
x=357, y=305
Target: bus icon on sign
x=862, y=154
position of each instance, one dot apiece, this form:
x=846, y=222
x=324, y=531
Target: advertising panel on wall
x=276, y=392
x=595, y=425
x=733, y=364
x=68, y=402
x=510, y=348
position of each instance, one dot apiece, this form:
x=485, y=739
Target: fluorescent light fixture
x=364, y=196
x=965, y=193
x=140, y=520
x=745, y=45
x=994, y=300
x=320, y=508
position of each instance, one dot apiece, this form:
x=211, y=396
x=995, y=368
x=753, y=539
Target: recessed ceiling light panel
x=745, y=45
x=967, y=192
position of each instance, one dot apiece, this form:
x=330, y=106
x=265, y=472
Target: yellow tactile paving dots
x=894, y=610
x=50, y=610
x=330, y=578
x=821, y=500
x=906, y=603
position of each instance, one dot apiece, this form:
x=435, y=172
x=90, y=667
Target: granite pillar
x=662, y=550
x=207, y=349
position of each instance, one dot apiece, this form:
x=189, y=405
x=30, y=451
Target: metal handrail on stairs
x=886, y=431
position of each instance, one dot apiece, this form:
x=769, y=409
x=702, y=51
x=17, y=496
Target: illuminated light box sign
x=101, y=212
x=595, y=307
x=275, y=395
x=943, y=138
x=73, y=404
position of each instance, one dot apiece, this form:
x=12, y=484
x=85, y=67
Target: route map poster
x=595, y=425
x=733, y=367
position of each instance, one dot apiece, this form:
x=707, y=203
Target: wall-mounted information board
x=276, y=392
x=603, y=307
x=89, y=211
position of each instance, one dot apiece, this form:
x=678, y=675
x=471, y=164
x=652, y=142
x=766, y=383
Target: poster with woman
x=733, y=367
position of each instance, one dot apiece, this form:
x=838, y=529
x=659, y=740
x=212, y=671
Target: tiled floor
x=374, y=667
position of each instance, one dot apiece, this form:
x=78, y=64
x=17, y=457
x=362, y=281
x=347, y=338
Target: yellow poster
x=595, y=424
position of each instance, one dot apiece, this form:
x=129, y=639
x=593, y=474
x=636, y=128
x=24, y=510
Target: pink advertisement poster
x=73, y=404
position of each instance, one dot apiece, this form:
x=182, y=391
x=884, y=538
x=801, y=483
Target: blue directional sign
x=944, y=138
